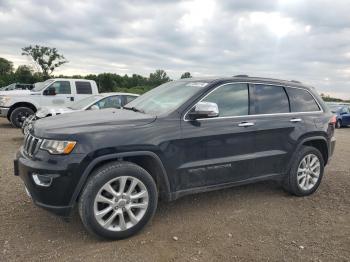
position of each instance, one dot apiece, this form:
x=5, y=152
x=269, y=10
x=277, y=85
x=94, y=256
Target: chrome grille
x=31, y=144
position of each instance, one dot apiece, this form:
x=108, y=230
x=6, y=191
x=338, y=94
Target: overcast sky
x=289, y=39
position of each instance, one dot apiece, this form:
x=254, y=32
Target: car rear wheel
x=306, y=172
x=118, y=200
x=20, y=114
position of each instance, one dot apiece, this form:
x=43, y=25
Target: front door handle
x=71, y=98
x=295, y=120
x=246, y=124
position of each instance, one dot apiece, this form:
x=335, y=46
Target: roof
x=74, y=79
x=242, y=78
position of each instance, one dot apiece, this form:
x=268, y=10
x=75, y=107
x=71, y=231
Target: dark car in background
x=342, y=112
x=183, y=137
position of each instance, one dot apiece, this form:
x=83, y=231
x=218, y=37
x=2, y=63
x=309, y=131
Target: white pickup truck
x=17, y=105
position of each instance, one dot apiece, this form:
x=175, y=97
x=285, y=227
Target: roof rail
x=241, y=76
x=295, y=81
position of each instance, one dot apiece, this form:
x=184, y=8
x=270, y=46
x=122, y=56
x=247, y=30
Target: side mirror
x=51, y=91
x=204, y=110
x=94, y=107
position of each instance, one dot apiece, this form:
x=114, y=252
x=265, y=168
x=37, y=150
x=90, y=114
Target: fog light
x=41, y=180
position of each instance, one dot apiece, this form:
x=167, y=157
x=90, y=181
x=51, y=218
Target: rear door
x=83, y=89
x=218, y=150
x=274, y=129
x=283, y=114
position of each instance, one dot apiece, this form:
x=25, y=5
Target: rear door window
x=83, y=87
x=301, y=100
x=270, y=99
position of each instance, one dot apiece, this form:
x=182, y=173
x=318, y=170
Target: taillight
x=333, y=120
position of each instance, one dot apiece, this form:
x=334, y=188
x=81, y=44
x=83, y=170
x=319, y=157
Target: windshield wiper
x=134, y=109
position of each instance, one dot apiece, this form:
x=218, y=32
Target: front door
x=218, y=150
x=63, y=95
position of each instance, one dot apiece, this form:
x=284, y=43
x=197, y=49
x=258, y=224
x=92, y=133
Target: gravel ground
x=247, y=223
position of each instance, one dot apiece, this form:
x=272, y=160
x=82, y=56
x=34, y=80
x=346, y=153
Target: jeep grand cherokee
x=183, y=137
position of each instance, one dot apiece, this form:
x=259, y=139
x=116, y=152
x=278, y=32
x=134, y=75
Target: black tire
x=19, y=114
x=291, y=181
x=97, y=180
x=338, y=124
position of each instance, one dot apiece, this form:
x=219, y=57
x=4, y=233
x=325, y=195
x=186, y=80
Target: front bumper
x=65, y=170
x=4, y=111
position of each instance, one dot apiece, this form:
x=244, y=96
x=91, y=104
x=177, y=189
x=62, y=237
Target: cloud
x=289, y=39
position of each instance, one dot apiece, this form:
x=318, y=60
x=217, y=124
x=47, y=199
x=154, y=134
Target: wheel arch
x=321, y=145
x=146, y=159
x=319, y=142
x=21, y=104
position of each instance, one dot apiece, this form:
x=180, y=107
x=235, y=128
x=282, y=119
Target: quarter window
x=270, y=100
x=301, y=100
x=232, y=99
x=83, y=87
x=61, y=87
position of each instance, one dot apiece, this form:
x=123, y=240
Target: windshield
x=41, y=85
x=165, y=98
x=81, y=104
x=11, y=87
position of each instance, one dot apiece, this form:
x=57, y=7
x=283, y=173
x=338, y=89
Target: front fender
x=23, y=99
x=117, y=156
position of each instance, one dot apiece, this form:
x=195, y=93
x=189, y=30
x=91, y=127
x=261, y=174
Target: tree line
x=45, y=60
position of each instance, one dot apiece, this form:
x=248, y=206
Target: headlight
x=4, y=100
x=57, y=147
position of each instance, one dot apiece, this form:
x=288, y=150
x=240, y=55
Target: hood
x=16, y=92
x=89, y=122
x=52, y=111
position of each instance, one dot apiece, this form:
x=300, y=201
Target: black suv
x=183, y=137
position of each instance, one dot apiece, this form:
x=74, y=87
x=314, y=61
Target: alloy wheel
x=121, y=203
x=309, y=171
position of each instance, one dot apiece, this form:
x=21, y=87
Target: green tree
x=45, y=58
x=159, y=77
x=24, y=74
x=6, y=66
x=186, y=75
x=106, y=82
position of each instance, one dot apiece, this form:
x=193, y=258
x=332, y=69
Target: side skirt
x=196, y=190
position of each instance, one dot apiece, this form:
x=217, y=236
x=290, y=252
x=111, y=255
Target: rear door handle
x=246, y=124
x=295, y=120
x=71, y=98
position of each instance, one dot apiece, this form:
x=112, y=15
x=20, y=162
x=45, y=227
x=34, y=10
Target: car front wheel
x=118, y=200
x=19, y=115
x=306, y=172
